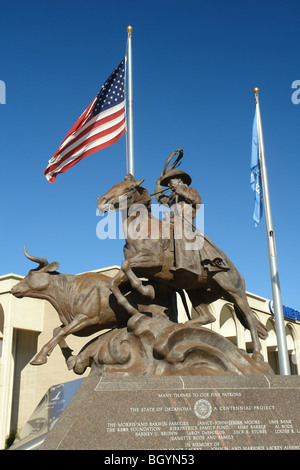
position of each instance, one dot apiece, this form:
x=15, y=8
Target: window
x=227, y=324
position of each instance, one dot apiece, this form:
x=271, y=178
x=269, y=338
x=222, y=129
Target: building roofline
x=11, y=276
x=101, y=270
x=257, y=297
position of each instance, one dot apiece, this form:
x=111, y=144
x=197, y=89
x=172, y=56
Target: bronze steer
x=84, y=303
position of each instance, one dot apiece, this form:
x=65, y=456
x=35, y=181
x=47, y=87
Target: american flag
x=100, y=125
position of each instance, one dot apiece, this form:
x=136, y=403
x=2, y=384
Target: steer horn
x=42, y=261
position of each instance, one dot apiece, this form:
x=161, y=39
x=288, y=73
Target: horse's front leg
x=136, y=283
x=119, y=278
x=145, y=258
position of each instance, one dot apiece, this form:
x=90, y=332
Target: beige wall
x=27, y=324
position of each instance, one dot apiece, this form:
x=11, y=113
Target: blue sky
x=195, y=64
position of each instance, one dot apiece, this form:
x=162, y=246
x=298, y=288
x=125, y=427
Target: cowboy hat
x=170, y=174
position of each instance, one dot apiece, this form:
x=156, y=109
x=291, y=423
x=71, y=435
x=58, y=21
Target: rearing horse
x=151, y=256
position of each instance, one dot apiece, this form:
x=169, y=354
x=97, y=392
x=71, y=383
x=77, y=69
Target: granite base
x=189, y=413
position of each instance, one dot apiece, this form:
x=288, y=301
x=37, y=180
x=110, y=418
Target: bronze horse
x=152, y=257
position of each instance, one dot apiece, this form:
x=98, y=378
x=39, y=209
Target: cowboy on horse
x=190, y=251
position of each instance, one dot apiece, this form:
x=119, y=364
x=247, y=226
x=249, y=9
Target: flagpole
x=130, y=151
x=284, y=365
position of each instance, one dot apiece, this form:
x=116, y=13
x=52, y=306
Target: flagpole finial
x=129, y=29
x=255, y=90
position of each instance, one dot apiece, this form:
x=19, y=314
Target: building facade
x=27, y=324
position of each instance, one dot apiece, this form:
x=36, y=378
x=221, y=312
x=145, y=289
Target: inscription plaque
x=187, y=413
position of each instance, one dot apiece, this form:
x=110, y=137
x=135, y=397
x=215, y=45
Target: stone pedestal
x=187, y=413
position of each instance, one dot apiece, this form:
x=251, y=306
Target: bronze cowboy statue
x=190, y=252
x=211, y=273
x=170, y=256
